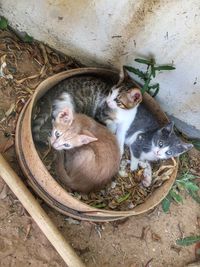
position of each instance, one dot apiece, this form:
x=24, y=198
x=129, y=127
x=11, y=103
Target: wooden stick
x=38, y=214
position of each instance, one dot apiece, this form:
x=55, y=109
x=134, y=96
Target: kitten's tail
x=38, y=124
x=41, y=125
x=63, y=177
x=41, y=118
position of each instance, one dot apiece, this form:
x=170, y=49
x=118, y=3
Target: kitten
x=89, y=95
x=88, y=153
x=120, y=101
x=148, y=142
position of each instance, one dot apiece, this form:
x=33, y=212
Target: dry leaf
x=6, y=145
x=197, y=251
x=72, y=221
x=3, y=59
x=176, y=249
x=28, y=229
x=194, y=264
x=148, y=264
x=59, y=67
x=27, y=78
x=2, y=67
x=44, y=53
x=155, y=237
x=4, y=192
x=145, y=230
x=10, y=110
x=180, y=228
x=119, y=222
x=198, y=222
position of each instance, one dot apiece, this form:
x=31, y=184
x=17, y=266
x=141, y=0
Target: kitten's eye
x=57, y=134
x=67, y=145
x=49, y=134
x=169, y=152
x=117, y=100
x=160, y=144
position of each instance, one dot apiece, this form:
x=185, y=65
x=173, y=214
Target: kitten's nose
x=55, y=145
x=111, y=104
x=52, y=141
x=157, y=153
x=108, y=103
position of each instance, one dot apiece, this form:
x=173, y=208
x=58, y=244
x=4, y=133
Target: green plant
x=150, y=73
x=3, y=23
x=184, y=183
x=186, y=241
x=196, y=144
x=27, y=38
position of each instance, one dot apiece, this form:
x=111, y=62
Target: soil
x=131, y=242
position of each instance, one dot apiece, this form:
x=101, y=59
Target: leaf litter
x=15, y=78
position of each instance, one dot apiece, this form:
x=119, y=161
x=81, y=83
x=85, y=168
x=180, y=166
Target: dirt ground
x=129, y=243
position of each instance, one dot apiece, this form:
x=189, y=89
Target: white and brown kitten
x=88, y=153
x=124, y=104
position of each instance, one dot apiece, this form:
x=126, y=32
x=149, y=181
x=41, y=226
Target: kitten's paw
x=146, y=182
x=134, y=165
x=121, y=149
x=143, y=164
x=112, y=127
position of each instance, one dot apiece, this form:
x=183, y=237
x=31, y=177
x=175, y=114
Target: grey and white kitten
x=149, y=142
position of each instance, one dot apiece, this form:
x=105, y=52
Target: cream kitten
x=88, y=153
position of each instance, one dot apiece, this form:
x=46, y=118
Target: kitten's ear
x=168, y=129
x=86, y=139
x=186, y=146
x=123, y=75
x=88, y=133
x=182, y=148
x=65, y=116
x=134, y=95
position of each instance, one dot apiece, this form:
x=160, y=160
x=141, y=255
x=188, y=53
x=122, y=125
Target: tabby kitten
x=84, y=94
x=149, y=142
x=88, y=153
